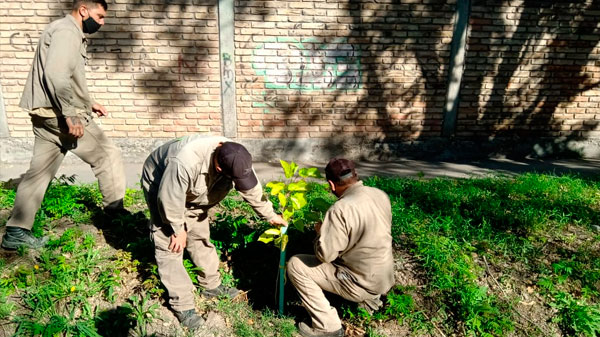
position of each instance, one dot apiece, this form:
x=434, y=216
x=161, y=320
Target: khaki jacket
x=57, y=77
x=182, y=174
x=356, y=237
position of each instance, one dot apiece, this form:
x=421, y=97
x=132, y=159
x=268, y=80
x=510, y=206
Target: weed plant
x=144, y=311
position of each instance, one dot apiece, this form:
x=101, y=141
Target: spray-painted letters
x=227, y=72
x=22, y=42
x=308, y=64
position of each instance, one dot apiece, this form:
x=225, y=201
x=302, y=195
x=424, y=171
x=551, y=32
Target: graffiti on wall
x=186, y=66
x=22, y=42
x=308, y=64
x=191, y=64
x=227, y=72
x=127, y=61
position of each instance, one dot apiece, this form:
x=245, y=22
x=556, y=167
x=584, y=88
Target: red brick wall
x=532, y=69
x=366, y=68
x=154, y=66
x=317, y=69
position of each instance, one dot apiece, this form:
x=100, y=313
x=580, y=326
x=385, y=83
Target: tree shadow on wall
x=532, y=81
x=170, y=48
x=413, y=42
x=538, y=99
x=160, y=58
x=402, y=51
x=403, y=57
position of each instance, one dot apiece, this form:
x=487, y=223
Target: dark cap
x=236, y=162
x=340, y=169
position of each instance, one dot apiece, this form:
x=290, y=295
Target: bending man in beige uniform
x=181, y=180
x=58, y=101
x=353, y=252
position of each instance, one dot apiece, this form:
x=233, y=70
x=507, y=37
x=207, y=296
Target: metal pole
x=282, y=272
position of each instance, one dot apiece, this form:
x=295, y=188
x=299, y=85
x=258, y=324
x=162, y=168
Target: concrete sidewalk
x=268, y=171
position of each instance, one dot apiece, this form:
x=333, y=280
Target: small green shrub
x=576, y=317
x=231, y=232
x=143, y=312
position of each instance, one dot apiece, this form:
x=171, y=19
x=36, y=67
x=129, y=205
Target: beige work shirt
x=56, y=83
x=184, y=173
x=356, y=237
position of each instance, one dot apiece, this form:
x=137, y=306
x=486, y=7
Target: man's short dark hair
x=77, y=3
x=341, y=171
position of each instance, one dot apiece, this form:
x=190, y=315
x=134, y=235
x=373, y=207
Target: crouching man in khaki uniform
x=353, y=252
x=181, y=180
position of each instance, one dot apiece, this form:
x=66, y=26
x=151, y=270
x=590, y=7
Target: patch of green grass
x=448, y=225
x=7, y=197
x=227, y=278
x=234, y=202
x=56, y=290
x=7, y=307
x=64, y=199
x=445, y=221
x=401, y=306
x=249, y=323
x=133, y=197
x=371, y=332
x=576, y=317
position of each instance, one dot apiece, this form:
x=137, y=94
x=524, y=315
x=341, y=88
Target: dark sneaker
x=16, y=237
x=308, y=331
x=189, y=319
x=221, y=291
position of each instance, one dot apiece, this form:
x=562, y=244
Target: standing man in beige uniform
x=353, y=252
x=182, y=180
x=58, y=101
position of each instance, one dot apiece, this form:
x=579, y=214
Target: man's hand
x=99, y=109
x=75, y=126
x=178, y=241
x=278, y=221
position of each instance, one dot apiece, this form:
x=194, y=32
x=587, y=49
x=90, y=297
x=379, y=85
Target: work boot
x=189, y=319
x=221, y=291
x=16, y=237
x=308, y=331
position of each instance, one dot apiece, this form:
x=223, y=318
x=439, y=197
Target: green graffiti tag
x=308, y=64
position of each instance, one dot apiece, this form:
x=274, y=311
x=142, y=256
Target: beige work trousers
x=310, y=277
x=202, y=252
x=52, y=142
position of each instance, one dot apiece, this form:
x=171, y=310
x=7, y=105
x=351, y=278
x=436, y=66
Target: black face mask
x=90, y=26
